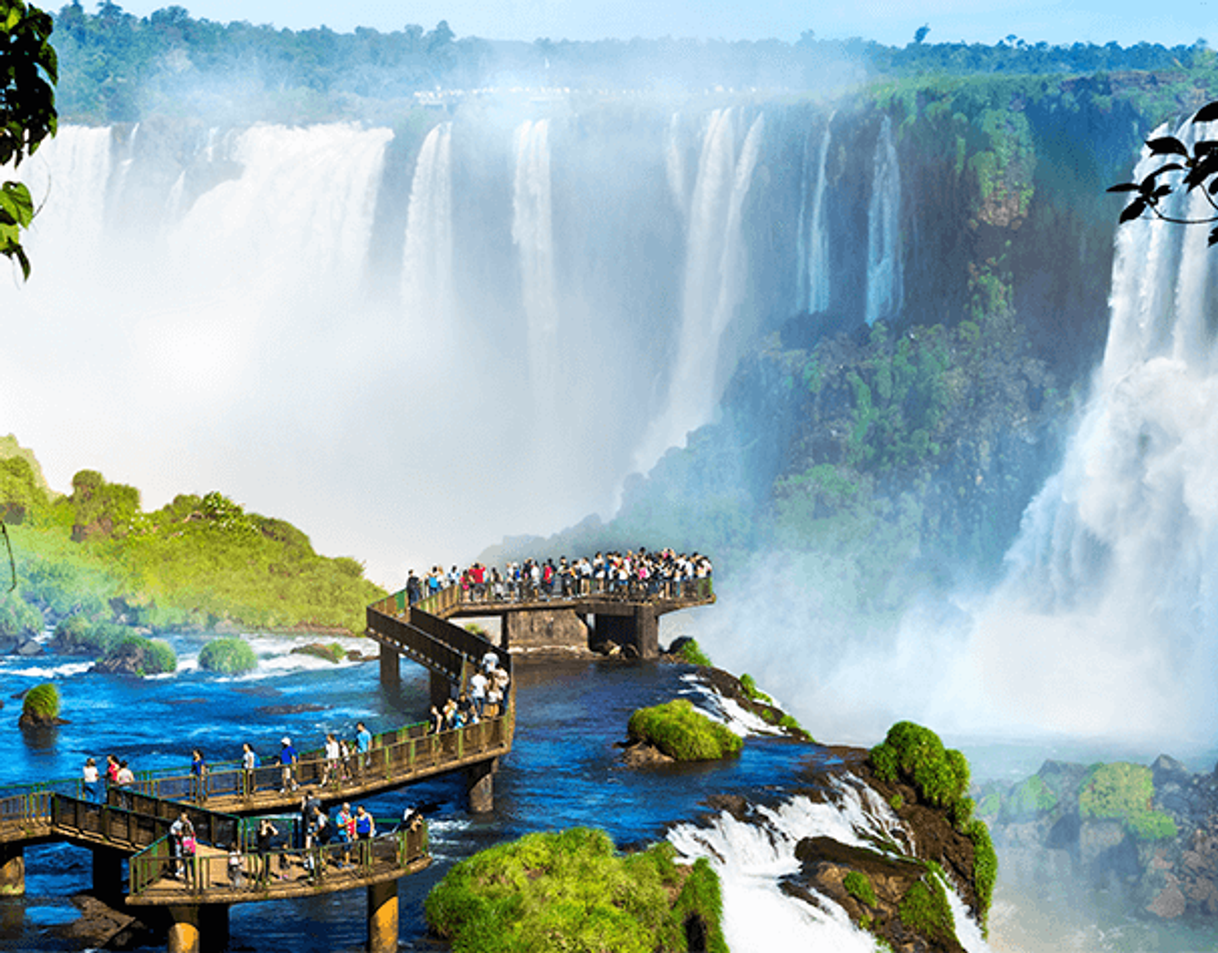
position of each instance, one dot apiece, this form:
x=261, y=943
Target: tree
x=921, y=32
x=1183, y=170
x=28, y=72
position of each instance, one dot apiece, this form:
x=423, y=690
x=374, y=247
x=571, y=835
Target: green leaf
x=15, y=200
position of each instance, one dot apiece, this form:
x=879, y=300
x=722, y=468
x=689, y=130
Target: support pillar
x=213, y=926
x=12, y=870
x=646, y=632
x=108, y=875
x=183, y=929
x=439, y=689
x=391, y=676
x=480, y=783
x=383, y=917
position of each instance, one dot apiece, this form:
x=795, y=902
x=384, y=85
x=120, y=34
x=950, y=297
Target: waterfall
x=813, y=233
x=884, y=280
x=674, y=163
x=427, y=265
x=533, y=235
x=714, y=280
x=751, y=856
x=1114, y=578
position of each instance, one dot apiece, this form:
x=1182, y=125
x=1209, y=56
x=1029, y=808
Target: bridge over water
x=131, y=823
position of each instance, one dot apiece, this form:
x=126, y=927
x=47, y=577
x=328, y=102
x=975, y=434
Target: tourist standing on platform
x=266, y=831
x=198, y=776
x=111, y=770
x=333, y=754
x=436, y=725
x=365, y=830
x=235, y=878
x=478, y=684
x=91, y=781
x=287, y=762
x=344, y=829
x=363, y=746
x=178, y=832
x=249, y=763
x=412, y=588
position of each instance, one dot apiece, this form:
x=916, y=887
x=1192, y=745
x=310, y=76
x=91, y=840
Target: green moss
x=572, y=891
x=858, y=885
x=1028, y=799
x=42, y=701
x=1124, y=791
x=692, y=653
x=332, y=652
x=915, y=754
x=896, y=802
x=749, y=686
x=228, y=656
x=924, y=908
x=157, y=656
x=682, y=732
x=985, y=866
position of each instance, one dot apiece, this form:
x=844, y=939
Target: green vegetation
x=151, y=656
x=858, y=885
x=194, y=562
x=682, y=732
x=925, y=908
x=916, y=754
x=42, y=702
x=692, y=653
x=18, y=617
x=228, y=656
x=332, y=652
x=1126, y=792
x=985, y=866
x=571, y=891
x=749, y=686
x=1030, y=797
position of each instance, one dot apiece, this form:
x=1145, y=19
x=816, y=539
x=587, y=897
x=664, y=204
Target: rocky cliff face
x=1150, y=837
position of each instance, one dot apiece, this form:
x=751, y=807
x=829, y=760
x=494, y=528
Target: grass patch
x=332, y=652
x=914, y=753
x=681, y=731
x=228, y=656
x=749, y=686
x=1126, y=792
x=858, y=885
x=924, y=908
x=572, y=891
x=692, y=653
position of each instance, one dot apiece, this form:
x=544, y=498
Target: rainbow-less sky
x=1099, y=21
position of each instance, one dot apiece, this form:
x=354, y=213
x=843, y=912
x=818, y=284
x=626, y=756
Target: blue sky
x=950, y=20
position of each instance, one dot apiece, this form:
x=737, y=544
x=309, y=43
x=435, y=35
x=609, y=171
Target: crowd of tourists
x=634, y=573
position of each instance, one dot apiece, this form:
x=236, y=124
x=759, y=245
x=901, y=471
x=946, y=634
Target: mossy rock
x=682, y=732
x=333, y=652
x=571, y=890
x=40, y=707
x=136, y=655
x=1126, y=792
x=228, y=656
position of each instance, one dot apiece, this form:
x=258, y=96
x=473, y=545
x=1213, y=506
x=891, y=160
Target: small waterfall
x=715, y=273
x=427, y=265
x=533, y=235
x=885, y=289
x=674, y=163
x=751, y=856
x=813, y=233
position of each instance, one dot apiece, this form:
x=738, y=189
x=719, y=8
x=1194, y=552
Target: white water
x=885, y=289
x=427, y=258
x=716, y=268
x=815, y=284
x=533, y=233
x=751, y=856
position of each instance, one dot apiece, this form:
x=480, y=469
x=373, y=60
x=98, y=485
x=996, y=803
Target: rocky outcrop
x=1161, y=860
x=22, y=644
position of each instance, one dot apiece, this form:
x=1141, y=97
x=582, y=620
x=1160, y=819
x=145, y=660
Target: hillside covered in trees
x=197, y=561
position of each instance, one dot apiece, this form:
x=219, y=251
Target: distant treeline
x=116, y=67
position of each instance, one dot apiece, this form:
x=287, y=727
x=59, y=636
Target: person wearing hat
x=287, y=759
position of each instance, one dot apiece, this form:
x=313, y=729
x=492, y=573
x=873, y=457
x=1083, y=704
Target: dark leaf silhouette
x=1166, y=145
x=1134, y=210
x=1125, y=187
x=1207, y=113
x=1213, y=237
x=1205, y=146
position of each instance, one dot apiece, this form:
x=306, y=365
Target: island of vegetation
x=99, y=568
x=227, y=656
x=679, y=731
x=40, y=707
x=571, y=890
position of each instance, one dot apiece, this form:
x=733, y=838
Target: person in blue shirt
x=363, y=744
x=288, y=759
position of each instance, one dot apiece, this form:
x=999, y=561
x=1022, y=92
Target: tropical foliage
x=42, y=701
x=572, y=891
x=682, y=732
x=1126, y=792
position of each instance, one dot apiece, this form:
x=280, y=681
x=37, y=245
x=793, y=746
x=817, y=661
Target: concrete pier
x=480, y=783
x=391, y=673
x=382, y=917
x=108, y=875
x=12, y=870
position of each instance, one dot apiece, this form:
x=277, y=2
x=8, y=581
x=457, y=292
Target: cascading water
x=427, y=261
x=715, y=272
x=814, y=275
x=533, y=234
x=1114, y=577
x=884, y=277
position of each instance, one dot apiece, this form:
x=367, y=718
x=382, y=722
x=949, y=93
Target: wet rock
x=101, y=926
x=643, y=755
x=290, y=709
